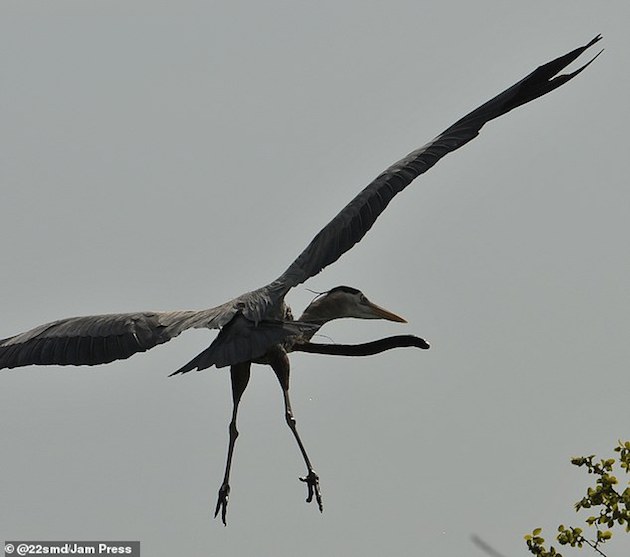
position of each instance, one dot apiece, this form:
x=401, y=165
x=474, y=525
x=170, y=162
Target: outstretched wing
x=356, y=218
x=103, y=338
x=99, y=339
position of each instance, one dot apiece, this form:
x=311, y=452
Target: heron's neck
x=319, y=313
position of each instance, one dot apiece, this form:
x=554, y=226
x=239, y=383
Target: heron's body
x=257, y=327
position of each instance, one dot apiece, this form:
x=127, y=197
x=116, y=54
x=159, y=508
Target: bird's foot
x=312, y=481
x=222, y=501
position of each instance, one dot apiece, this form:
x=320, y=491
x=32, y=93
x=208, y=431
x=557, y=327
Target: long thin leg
x=240, y=377
x=279, y=361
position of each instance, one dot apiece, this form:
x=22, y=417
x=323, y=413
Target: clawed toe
x=222, y=501
x=312, y=482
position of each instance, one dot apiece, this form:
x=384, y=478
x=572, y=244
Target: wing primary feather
x=130, y=344
x=82, y=351
x=4, y=357
x=97, y=352
x=24, y=355
x=7, y=358
x=354, y=220
x=69, y=347
x=47, y=352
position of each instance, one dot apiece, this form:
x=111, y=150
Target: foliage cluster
x=612, y=506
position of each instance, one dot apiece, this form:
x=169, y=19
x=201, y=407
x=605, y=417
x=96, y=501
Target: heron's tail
x=244, y=341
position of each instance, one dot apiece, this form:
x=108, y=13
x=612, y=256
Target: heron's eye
x=363, y=299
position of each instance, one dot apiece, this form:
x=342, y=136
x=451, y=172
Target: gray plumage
x=257, y=327
x=101, y=339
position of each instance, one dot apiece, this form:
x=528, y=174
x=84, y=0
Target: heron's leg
x=279, y=361
x=240, y=377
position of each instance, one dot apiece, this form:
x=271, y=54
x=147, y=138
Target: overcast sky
x=172, y=155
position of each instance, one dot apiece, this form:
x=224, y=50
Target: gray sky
x=149, y=162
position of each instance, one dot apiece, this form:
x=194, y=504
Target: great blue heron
x=257, y=327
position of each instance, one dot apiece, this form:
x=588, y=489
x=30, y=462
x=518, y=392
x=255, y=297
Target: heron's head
x=345, y=301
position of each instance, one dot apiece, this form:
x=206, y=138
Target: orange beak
x=382, y=313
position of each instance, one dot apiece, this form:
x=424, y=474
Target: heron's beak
x=382, y=313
